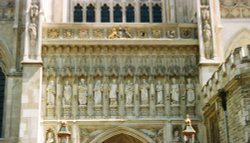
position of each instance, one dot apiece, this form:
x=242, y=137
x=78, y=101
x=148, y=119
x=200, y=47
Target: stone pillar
x=172, y=11
x=168, y=133
x=98, y=11
x=150, y=6
x=111, y=12
x=75, y=136
x=137, y=11
x=165, y=11
x=75, y=101
x=65, y=11
x=31, y=102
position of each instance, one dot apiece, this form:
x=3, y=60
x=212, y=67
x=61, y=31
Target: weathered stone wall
x=233, y=78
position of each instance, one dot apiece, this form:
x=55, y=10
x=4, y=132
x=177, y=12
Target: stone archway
x=122, y=138
x=241, y=39
x=119, y=133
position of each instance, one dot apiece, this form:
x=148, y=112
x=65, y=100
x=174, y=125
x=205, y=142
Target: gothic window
x=90, y=13
x=2, y=86
x=157, y=17
x=130, y=13
x=117, y=13
x=144, y=11
x=78, y=13
x=105, y=16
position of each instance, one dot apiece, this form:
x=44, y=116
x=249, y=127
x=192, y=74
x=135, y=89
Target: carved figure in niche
x=83, y=92
x=144, y=92
x=159, y=92
x=113, y=93
x=98, y=92
x=190, y=92
x=177, y=137
x=50, y=137
x=207, y=35
x=67, y=93
x=51, y=93
x=175, y=92
x=34, y=12
x=32, y=32
x=129, y=91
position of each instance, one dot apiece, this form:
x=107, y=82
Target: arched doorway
x=122, y=138
x=122, y=135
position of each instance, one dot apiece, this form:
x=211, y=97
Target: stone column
x=74, y=107
x=75, y=136
x=111, y=12
x=65, y=11
x=150, y=6
x=167, y=136
x=137, y=11
x=164, y=11
x=98, y=11
x=172, y=18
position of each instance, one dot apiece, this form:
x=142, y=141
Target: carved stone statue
x=50, y=137
x=129, y=91
x=190, y=92
x=159, y=92
x=207, y=36
x=113, y=92
x=82, y=92
x=207, y=33
x=98, y=92
x=144, y=92
x=34, y=13
x=177, y=137
x=32, y=32
x=67, y=93
x=51, y=93
x=175, y=92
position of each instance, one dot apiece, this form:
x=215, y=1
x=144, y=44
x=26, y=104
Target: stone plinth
x=160, y=109
x=129, y=110
x=50, y=112
x=175, y=110
x=82, y=111
x=66, y=111
x=98, y=110
x=113, y=110
x=144, y=110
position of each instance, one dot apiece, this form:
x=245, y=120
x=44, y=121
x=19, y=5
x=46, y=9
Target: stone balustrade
x=165, y=33
x=235, y=64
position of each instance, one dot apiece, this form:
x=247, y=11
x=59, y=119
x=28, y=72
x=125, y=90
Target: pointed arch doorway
x=122, y=138
x=122, y=135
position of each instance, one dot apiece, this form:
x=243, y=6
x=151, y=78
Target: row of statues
x=114, y=90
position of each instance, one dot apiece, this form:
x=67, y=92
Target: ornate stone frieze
x=235, y=9
x=113, y=32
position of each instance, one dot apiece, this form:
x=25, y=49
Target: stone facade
x=125, y=81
